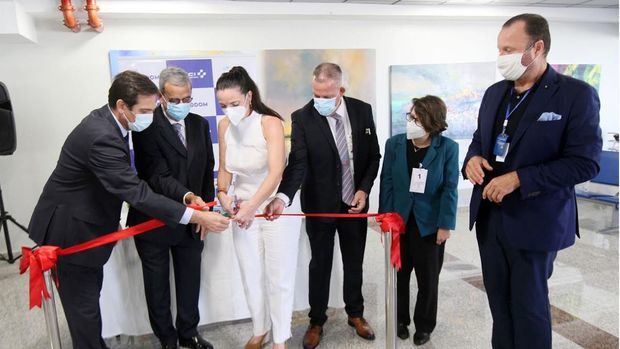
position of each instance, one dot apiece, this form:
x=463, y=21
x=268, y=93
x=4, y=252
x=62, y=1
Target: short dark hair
x=536, y=27
x=431, y=113
x=128, y=85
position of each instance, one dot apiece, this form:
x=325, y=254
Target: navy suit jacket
x=434, y=209
x=83, y=197
x=172, y=170
x=550, y=157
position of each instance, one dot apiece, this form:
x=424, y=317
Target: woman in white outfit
x=251, y=147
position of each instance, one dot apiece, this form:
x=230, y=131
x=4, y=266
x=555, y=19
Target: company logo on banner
x=203, y=67
x=200, y=71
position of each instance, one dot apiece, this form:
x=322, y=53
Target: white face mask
x=510, y=65
x=414, y=131
x=236, y=114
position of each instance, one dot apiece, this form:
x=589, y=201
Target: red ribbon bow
x=39, y=261
x=393, y=222
x=43, y=258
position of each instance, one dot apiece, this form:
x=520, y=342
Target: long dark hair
x=238, y=77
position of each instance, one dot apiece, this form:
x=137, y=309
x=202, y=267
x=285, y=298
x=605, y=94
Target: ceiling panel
x=263, y=0
x=420, y=2
x=319, y=1
x=561, y=2
x=50, y=6
x=514, y=2
x=601, y=3
x=468, y=2
x=378, y=2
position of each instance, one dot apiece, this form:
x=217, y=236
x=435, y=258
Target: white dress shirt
x=172, y=122
x=344, y=117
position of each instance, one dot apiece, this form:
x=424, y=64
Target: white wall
x=56, y=82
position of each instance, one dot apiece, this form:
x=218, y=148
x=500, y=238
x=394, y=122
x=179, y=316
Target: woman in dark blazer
x=427, y=203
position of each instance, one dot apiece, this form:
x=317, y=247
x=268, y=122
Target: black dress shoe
x=402, y=331
x=195, y=342
x=420, y=338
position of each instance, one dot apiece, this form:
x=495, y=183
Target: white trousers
x=267, y=255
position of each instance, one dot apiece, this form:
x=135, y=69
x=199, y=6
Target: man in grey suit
x=83, y=197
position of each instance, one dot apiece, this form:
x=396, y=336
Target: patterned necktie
x=343, y=152
x=179, y=128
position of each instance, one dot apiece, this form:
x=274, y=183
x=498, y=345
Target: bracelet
x=188, y=195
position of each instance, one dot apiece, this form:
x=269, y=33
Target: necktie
x=132, y=157
x=180, y=132
x=343, y=153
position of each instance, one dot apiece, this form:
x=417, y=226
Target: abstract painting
x=287, y=77
x=590, y=73
x=460, y=85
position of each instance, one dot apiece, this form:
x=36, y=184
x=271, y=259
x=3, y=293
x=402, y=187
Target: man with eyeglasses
x=175, y=156
x=83, y=198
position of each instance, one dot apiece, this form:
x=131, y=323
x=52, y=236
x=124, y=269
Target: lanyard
x=509, y=112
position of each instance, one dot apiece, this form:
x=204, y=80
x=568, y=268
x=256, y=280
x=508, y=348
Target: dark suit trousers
x=155, y=257
x=516, y=286
x=423, y=255
x=79, y=289
x=352, y=238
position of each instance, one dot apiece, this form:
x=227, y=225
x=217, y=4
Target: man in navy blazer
x=83, y=197
x=175, y=157
x=538, y=135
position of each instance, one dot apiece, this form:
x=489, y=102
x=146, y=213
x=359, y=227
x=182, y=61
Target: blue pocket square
x=549, y=116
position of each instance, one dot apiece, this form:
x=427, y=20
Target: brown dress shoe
x=362, y=327
x=313, y=335
x=258, y=344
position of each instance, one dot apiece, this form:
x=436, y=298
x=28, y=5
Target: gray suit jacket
x=82, y=198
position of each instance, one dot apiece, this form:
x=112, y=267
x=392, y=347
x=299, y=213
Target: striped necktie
x=343, y=152
x=180, y=132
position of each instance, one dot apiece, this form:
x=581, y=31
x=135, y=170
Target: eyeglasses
x=178, y=100
x=411, y=117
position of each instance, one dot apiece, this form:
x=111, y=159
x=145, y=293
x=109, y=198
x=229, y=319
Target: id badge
x=500, y=150
x=418, y=180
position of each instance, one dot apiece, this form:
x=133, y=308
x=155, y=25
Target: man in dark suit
x=175, y=156
x=335, y=158
x=83, y=197
x=538, y=135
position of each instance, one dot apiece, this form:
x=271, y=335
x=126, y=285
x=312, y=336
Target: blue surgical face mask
x=179, y=111
x=143, y=121
x=325, y=106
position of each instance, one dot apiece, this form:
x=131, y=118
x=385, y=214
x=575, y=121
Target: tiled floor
x=583, y=293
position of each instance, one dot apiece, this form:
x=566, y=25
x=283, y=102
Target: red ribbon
x=43, y=258
x=388, y=222
x=39, y=260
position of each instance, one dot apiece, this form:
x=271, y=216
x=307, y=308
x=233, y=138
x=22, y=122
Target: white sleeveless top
x=246, y=155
